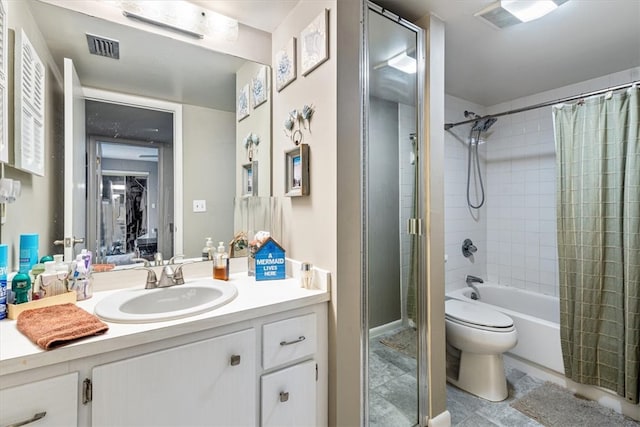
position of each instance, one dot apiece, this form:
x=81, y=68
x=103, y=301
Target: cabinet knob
x=235, y=360
x=284, y=396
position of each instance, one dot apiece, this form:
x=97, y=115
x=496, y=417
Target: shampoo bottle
x=221, y=263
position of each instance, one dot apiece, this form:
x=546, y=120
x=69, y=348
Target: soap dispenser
x=221, y=263
x=207, y=251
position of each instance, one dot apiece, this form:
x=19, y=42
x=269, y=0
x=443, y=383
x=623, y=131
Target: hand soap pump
x=207, y=251
x=221, y=263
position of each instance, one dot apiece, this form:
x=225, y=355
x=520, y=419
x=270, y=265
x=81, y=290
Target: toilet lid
x=476, y=315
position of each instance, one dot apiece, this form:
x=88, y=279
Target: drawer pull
x=284, y=396
x=35, y=418
x=300, y=339
x=235, y=360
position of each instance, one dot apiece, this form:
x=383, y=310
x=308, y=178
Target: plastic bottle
x=207, y=251
x=4, y=294
x=221, y=263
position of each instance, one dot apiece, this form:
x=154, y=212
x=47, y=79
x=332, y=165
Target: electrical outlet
x=199, y=205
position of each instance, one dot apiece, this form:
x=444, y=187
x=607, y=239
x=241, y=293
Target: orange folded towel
x=56, y=325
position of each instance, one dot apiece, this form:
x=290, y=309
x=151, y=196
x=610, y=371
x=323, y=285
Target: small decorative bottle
x=221, y=263
x=306, y=275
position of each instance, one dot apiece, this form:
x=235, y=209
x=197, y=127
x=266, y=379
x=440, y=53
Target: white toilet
x=481, y=335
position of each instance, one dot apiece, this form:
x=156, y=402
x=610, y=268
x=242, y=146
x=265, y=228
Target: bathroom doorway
x=130, y=177
x=393, y=212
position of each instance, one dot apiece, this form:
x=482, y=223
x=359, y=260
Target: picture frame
x=259, y=89
x=242, y=104
x=250, y=179
x=297, y=171
x=314, y=43
x=285, y=65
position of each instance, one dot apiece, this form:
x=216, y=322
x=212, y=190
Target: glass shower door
x=392, y=212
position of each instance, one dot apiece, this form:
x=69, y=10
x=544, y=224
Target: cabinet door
x=56, y=397
x=289, y=396
x=210, y=383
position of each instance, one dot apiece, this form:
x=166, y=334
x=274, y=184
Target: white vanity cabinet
x=265, y=365
x=211, y=382
x=49, y=402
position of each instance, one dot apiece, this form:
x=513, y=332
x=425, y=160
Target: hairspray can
x=28, y=252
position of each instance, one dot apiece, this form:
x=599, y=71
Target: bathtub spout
x=470, y=282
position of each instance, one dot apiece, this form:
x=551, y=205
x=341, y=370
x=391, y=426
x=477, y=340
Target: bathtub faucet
x=470, y=282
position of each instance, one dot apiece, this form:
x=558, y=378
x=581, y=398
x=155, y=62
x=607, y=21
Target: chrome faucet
x=470, y=282
x=168, y=277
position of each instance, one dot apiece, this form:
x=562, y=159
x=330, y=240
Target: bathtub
x=535, y=316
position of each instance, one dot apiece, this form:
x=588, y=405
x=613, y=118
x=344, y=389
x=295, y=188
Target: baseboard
x=441, y=420
x=382, y=329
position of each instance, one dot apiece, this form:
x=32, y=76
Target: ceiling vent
x=103, y=46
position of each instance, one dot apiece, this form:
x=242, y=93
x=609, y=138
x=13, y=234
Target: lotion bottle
x=207, y=251
x=221, y=263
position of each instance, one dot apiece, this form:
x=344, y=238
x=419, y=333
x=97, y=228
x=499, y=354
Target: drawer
x=287, y=340
x=55, y=400
x=288, y=396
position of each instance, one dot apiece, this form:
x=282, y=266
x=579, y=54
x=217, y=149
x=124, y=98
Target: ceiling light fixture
x=404, y=63
x=504, y=13
x=181, y=16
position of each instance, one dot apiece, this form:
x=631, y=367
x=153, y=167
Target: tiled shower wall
x=516, y=230
x=406, y=126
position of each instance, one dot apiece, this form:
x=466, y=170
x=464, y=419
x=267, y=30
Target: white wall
x=520, y=225
x=310, y=222
x=40, y=207
x=259, y=123
x=209, y=174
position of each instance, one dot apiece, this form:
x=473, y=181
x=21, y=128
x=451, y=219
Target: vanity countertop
x=254, y=299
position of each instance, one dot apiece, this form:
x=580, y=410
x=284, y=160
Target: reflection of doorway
x=127, y=224
x=131, y=143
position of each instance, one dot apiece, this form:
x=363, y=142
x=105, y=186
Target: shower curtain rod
x=448, y=126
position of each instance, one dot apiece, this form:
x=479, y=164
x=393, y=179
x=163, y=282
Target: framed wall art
x=297, y=171
x=259, y=87
x=314, y=43
x=250, y=179
x=285, y=64
x=242, y=105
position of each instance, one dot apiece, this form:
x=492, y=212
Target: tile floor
x=393, y=389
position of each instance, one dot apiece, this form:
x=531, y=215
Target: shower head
x=483, y=125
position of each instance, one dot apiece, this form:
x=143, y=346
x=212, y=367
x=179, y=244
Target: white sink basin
x=174, y=302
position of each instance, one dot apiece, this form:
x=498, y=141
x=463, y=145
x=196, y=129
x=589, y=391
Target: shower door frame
x=421, y=286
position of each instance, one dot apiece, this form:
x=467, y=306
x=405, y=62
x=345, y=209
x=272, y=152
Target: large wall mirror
x=161, y=156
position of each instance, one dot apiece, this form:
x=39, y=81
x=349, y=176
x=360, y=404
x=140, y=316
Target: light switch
x=199, y=205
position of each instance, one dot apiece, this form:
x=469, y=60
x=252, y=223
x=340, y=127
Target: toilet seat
x=477, y=317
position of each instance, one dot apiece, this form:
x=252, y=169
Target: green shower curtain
x=598, y=206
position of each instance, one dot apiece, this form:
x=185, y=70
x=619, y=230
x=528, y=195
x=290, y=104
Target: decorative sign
x=269, y=261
